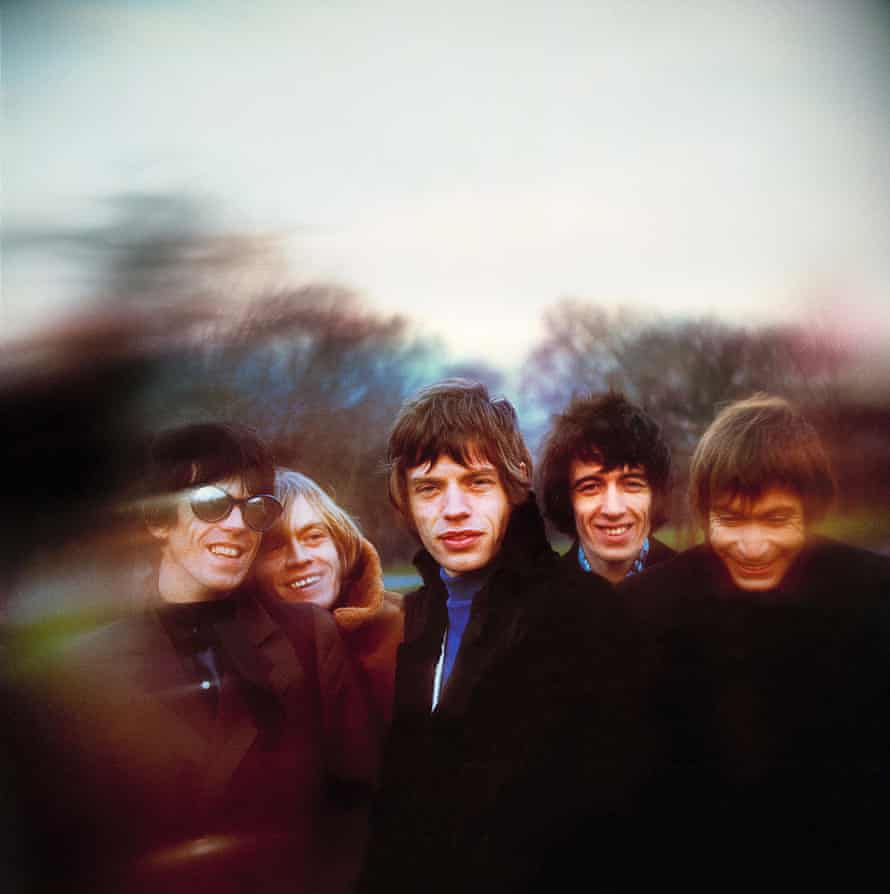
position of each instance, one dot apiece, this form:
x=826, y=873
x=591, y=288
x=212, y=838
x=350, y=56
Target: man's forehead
x=766, y=501
x=234, y=485
x=445, y=463
x=582, y=467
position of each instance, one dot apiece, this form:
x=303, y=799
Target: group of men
x=611, y=717
x=623, y=717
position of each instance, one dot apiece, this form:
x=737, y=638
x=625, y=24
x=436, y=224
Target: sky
x=469, y=164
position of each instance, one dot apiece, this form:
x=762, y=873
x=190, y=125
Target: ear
x=524, y=469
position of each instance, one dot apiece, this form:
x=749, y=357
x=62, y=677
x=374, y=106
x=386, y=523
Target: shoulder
x=659, y=552
x=684, y=573
x=302, y=622
x=830, y=561
x=110, y=643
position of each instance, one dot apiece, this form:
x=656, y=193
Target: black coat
x=529, y=735
x=133, y=785
x=772, y=718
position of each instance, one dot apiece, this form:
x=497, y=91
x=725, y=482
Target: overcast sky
x=469, y=164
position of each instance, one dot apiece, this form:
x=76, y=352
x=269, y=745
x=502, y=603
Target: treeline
x=321, y=375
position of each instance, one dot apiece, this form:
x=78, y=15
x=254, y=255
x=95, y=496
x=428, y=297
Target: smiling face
x=298, y=561
x=204, y=560
x=757, y=540
x=612, y=515
x=460, y=512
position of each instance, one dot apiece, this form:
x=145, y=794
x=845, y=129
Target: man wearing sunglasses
x=206, y=513
x=196, y=744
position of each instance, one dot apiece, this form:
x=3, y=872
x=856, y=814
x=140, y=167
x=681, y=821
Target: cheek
x=717, y=536
x=792, y=540
x=332, y=557
x=267, y=566
x=420, y=514
x=643, y=504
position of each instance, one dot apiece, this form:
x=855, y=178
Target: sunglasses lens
x=211, y=504
x=261, y=512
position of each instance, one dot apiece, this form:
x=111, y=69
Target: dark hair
x=606, y=429
x=457, y=418
x=753, y=445
x=200, y=453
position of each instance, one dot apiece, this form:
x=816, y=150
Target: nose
x=297, y=554
x=752, y=545
x=613, y=500
x=455, y=503
x=234, y=521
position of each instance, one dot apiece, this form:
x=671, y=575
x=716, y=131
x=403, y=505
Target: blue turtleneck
x=462, y=589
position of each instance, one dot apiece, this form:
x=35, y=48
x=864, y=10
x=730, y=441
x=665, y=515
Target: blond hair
x=290, y=484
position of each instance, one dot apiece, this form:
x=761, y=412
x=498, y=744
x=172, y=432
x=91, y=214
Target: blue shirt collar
x=638, y=565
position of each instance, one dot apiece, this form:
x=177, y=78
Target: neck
x=466, y=585
x=614, y=572
x=177, y=586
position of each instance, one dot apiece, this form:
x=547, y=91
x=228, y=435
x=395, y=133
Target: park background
x=296, y=214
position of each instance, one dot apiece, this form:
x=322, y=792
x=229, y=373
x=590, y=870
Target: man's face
x=612, y=515
x=460, y=512
x=298, y=560
x=205, y=560
x=757, y=540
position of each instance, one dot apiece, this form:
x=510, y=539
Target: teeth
x=230, y=552
x=616, y=531
x=302, y=582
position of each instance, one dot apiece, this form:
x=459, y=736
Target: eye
x=725, y=519
x=636, y=484
x=588, y=488
x=315, y=537
x=483, y=481
x=425, y=490
x=777, y=519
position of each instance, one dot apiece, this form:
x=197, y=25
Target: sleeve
x=350, y=735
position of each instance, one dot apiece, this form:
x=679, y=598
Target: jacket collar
x=363, y=595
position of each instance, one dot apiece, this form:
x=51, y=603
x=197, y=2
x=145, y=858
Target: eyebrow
x=778, y=509
x=469, y=473
x=598, y=476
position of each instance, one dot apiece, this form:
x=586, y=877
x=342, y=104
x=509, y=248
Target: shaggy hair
x=757, y=444
x=289, y=485
x=458, y=419
x=606, y=429
x=202, y=453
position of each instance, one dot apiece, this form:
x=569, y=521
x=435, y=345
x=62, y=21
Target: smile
x=755, y=570
x=302, y=582
x=227, y=552
x=617, y=530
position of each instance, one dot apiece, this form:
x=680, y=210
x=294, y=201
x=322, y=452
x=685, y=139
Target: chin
x=757, y=586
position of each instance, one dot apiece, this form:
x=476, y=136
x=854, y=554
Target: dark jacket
x=772, y=714
x=145, y=789
x=574, y=575
x=478, y=794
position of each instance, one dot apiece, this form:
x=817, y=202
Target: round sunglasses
x=213, y=504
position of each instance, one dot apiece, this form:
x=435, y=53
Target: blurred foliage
x=186, y=326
